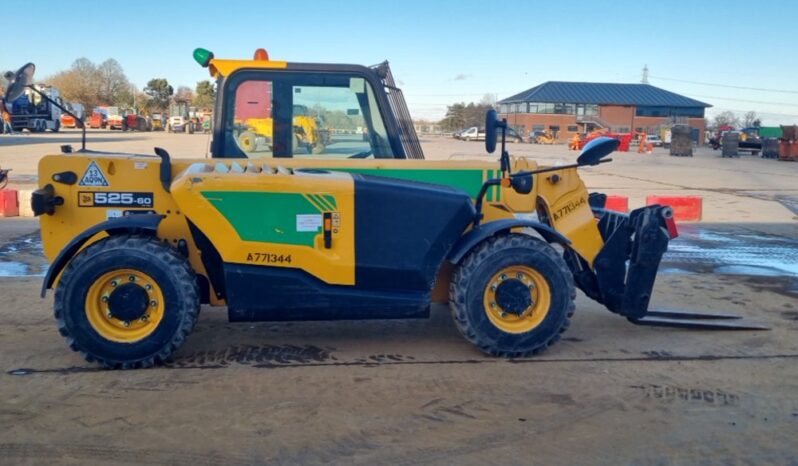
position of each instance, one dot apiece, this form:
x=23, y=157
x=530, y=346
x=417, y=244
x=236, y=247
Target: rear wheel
x=512, y=296
x=127, y=302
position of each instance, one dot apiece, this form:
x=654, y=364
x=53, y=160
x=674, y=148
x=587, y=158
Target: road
x=409, y=392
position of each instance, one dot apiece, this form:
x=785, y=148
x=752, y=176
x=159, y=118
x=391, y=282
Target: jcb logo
x=86, y=199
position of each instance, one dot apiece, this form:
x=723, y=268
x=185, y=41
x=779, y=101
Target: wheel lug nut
x=531, y=286
x=504, y=315
x=153, y=303
x=148, y=287
x=110, y=316
x=114, y=283
x=145, y=318
x=126, y=323
x=493, y=287
x=132, y=278
x=519, y=276
x=493, y=305
x=504, y=277
x=104, y=299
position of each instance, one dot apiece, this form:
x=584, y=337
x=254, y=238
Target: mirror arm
x=481, y=196
x=77, y=120
x=505, y=158
x=554, y=169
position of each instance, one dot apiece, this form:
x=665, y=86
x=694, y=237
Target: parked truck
x=30, y=111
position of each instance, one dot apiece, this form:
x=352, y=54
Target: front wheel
x=512, y=296
x=127, y=302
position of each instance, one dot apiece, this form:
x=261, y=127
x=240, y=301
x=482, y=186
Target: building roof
x=603, y=94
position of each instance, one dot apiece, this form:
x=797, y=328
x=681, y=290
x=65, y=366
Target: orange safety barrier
x=9, y=203
x=685, y=208
x=617, y=203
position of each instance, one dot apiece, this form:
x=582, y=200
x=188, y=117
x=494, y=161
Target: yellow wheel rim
x=247, y=141
x=517, y=320
x=121, y=327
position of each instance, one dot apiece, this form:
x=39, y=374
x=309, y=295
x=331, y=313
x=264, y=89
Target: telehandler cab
x=366, y=229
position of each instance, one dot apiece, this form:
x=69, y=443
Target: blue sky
x=443, y=51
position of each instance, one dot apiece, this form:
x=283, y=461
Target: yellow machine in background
x=307, y=129
x=546, y=138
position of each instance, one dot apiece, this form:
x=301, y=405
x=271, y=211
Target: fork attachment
x=625, y=269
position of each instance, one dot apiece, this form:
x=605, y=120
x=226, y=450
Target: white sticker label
x=140, y=165
x=308, y=222
x=93, y=176
x=113, y=213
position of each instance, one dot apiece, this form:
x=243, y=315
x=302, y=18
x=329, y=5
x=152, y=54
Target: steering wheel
x=361, y=155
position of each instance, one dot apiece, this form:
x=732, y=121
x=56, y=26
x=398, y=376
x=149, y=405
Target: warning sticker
x=308, y=222
x=93, y=176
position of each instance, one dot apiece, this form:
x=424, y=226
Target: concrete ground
x=408, y=392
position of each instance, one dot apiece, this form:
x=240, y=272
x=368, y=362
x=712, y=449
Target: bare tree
x=726, y=118
x=114, y=85
x=80, y=83
x=184, y=94
x=751, y=120
x=489, y=100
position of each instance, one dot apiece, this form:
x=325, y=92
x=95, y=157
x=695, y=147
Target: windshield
x=304, y=115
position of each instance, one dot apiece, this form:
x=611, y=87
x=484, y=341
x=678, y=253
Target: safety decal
x=308, y=222
x=93, y=176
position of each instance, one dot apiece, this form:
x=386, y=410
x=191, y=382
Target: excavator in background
x=544, y=137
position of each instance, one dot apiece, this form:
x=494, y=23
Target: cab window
x=304, y=115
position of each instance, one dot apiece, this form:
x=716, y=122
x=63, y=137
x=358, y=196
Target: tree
x=205, y=95
x=489, y=100
x=114, y=87
x=751, y=120
x=455, y=118
x=726, y=118
x=160, y=93
x=80, y=83
x=184, y=94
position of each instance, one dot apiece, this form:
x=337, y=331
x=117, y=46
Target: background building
x=569, y=107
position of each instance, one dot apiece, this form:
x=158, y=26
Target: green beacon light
x=203, y=57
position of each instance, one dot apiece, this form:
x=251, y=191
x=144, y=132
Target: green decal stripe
x=323, y=202
x=331, y=200
x=313, y=200
x=469, y=180
x=265, y=217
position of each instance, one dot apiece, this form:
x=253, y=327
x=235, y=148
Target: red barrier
x=9, y=204
x=617, y=203
x=685, y=208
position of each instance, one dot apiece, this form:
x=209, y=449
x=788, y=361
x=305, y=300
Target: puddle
x=23, y=257
x=13, y=269
x=731, y=252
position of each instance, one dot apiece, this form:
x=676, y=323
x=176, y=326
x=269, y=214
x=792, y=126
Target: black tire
x=170, y=272
x=57, y=126
x=471, y=279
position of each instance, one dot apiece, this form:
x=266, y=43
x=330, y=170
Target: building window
x=540, y=107
x=660, y=111
x=504, y=108
x=537, y=128
x=573, y=129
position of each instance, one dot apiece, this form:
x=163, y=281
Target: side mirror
x=596, y=150
x=19, y=81
x=492, y=124
x=522, y=183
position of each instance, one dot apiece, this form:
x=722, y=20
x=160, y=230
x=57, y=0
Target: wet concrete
x=23, y=256
x=733, y=250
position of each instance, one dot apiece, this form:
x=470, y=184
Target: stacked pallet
x=788, y=144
